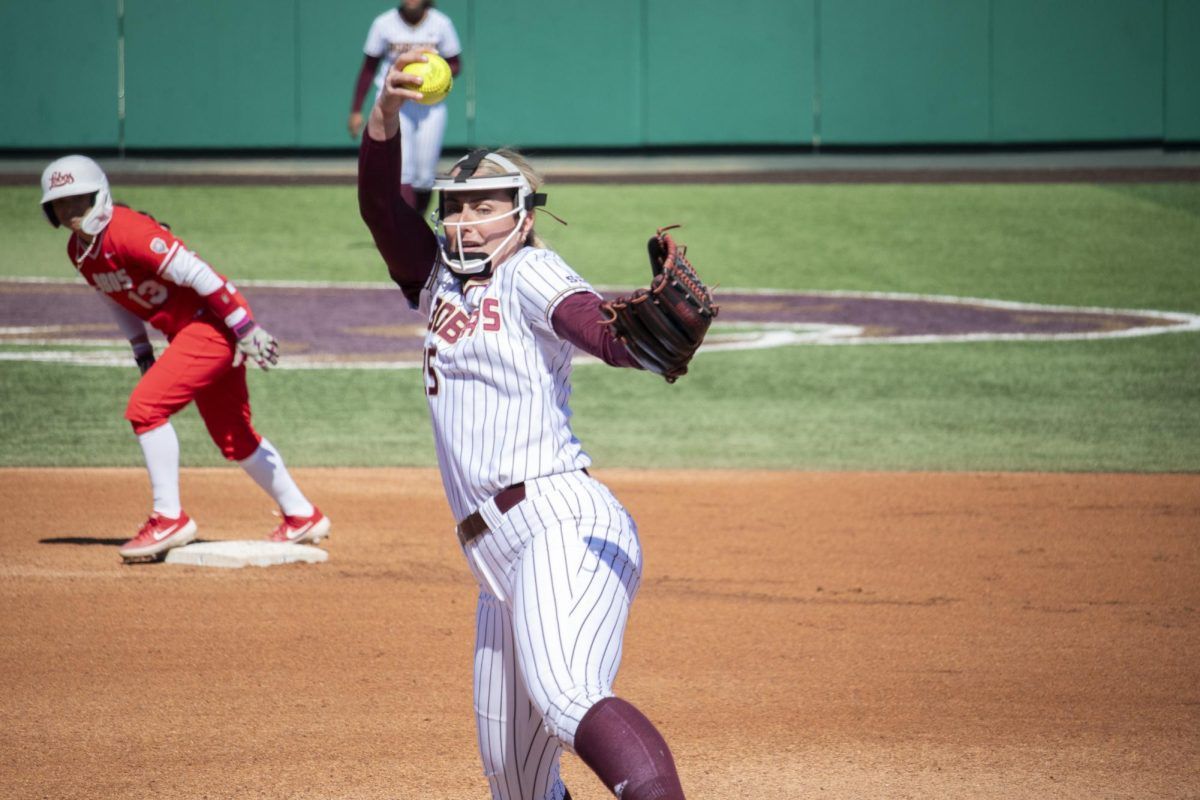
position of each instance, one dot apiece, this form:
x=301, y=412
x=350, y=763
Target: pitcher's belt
x=474, y=525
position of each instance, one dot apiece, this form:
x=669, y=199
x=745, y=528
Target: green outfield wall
x=278, y=74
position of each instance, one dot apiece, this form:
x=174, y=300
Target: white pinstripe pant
x=557, y=575
x=422, y=129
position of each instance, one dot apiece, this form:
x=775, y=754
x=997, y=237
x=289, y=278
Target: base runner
x=145, y=274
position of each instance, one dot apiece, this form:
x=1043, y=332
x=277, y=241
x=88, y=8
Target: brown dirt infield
x=797, y=635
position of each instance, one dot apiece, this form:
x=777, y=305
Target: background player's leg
x=160, y=447
x=225, y=407
x=426, y=149
x=520, y=758
x=266, y=467
x=408, y=132
x=183, y=369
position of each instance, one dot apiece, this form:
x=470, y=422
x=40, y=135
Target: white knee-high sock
x=161, y=449
x=266, y=467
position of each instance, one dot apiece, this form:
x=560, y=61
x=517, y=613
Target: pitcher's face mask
x=475, y=213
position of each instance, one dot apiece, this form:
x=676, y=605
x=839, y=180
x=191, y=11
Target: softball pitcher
x=144, y=273
x=556, y=556
x=413, y=24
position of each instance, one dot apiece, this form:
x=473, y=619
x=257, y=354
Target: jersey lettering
x=441, y=311
x=431, y=379
x=113, y=282
x=396, y=48
x=457, y=324
x=491, y=314
x=454, y=328
x=498, y=360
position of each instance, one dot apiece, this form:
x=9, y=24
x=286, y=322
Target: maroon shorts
x=197, y=366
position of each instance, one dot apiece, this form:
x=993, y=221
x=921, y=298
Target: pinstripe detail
x=564, y=566
x=559, y=571
x=520, y=758
x=422, y=129
x=501, y=413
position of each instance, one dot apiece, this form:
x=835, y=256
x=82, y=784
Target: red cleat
x=302, y=529
x=158, y=535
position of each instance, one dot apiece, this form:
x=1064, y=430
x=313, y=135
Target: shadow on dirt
x=83, y=540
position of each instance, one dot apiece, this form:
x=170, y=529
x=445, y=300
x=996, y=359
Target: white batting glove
x=259, y=346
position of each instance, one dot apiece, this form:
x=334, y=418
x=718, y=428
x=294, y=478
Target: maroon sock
x=408, y=195
x=627, y=752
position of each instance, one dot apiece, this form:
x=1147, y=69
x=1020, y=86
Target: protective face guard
x=524, y=201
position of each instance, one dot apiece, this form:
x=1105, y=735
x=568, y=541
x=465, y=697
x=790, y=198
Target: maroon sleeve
x=370, y=63
x=455, y=65
x=406, y=243
x=578, y=320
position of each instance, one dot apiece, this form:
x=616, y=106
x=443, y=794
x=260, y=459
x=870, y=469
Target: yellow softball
x=438, y=80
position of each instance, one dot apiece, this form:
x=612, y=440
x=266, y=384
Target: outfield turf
x=1094, y=405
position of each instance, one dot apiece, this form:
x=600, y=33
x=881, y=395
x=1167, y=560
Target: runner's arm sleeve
x=220, y=295
x=577, y=319
x=408, y=246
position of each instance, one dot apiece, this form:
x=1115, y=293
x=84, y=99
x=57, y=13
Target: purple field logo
x=341, y=326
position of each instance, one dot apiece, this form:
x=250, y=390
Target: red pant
x=197, y=366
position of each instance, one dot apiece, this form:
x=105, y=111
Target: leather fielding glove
x=663, y=326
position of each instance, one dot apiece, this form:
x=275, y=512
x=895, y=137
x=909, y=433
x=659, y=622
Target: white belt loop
x=491, y=515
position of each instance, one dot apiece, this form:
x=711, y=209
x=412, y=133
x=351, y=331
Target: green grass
x=1129, y=404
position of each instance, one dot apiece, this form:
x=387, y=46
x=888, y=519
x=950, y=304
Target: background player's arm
x=226, y=303
x=134, y=330
x=222, y=298
x=450, y=48
x=374, y=50
x=361, y=87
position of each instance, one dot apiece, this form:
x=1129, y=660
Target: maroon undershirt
x=578, y=320
x=366, y=76
x=410, y=250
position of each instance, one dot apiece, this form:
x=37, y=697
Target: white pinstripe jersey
x=497, y=376
x=390, y=34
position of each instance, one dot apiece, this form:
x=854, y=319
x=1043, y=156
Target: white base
x=245, y=553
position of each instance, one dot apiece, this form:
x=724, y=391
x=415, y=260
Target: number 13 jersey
x=130, y=262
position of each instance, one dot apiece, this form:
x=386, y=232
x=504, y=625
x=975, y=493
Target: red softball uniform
x=129, y=262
